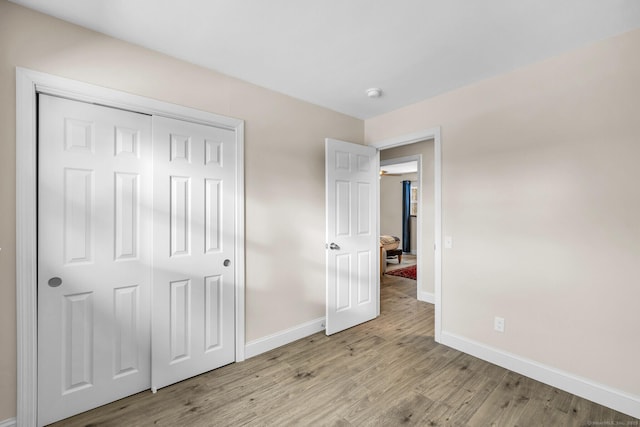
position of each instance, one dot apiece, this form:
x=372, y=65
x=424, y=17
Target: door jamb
x=422, y=135
x=28, y=84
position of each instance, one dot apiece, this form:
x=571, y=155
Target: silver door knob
x=227, y=262
x=334, y=247
x=54, y=282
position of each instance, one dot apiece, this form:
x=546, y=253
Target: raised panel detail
x=78, y=215
x=363, y=211
x=213, y=312
x=343, y=161
x=180, y=322
x=180, y=148
x=343, y=282
x=127, y=142
x=127, y=211
x=78, y=135
x=213, y=215
x=125, y=318
x=364, y=277
x=212, y=153
x=77, y=342
x=180, y=221
x=364, y=163
x=343, y=208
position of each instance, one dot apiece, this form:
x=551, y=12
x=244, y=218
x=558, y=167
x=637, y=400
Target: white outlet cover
x=498, y=324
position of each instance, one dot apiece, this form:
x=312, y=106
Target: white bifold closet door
x=136, y=253
x=194, y=250
x=94, y=256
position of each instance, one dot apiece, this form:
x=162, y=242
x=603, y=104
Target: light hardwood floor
x=386, y=372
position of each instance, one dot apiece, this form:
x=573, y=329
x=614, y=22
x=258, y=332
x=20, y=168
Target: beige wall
x=284, y=163
x=426, y=188
x=391, y=203
x=541, y=195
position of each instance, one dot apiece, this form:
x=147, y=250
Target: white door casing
x=94, y=255
x=351, y=234
x=194, y=253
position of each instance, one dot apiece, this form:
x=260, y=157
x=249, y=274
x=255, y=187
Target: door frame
x=419, y=224
x=28, y=84
x=422, y=135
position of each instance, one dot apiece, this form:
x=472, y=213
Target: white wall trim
x=599, y=393
x=426, y=297
x=11, y=422
x=423, y=135
x=264, y=344
x=28, y=84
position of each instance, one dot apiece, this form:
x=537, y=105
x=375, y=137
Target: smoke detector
x=374, y=92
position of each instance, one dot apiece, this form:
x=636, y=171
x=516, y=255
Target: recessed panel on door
x=213, y=214
x=343, y=208
x=78, y=135
x=127, y=211
x=343, y=282
x=126, y=331
x=365, y=281
x=78, y=215
x=363, y=214
x=213, y=311
x=127, y=142
x=77, y=342
x=180, y=212
x=180, y=320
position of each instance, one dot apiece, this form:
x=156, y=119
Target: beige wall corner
x=540, y=192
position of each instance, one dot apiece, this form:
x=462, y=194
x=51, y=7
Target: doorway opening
x=401, y=217
x=426, y=145
x=414, y=175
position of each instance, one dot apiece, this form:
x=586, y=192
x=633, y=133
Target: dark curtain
x=406, y=216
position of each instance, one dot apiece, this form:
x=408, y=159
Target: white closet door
x=193, y=282
x=94, y=253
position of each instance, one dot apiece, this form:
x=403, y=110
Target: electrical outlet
x=498, y=324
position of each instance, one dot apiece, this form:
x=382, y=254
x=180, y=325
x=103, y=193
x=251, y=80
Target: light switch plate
x=448, y=242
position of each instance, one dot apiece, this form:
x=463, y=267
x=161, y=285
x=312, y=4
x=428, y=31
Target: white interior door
x=193, y=282
x=351, y=234
x=94, y=241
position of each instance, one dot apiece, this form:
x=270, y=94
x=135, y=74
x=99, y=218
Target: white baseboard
x=262, y=345
x=11, y=422
x=599, y=393
x=426, y=297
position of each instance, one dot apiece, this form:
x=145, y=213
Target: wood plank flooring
x=386, y=372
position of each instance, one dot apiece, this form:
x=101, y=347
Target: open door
x=352, y=245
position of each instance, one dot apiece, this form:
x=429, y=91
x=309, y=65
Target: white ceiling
x=329, y=52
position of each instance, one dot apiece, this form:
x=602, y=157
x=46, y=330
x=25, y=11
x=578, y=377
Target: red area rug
x=408, y=272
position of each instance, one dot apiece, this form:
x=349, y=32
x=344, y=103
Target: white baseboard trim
x=11, y=422
x=264, y=344
x=599, y=393
x=426, y=297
